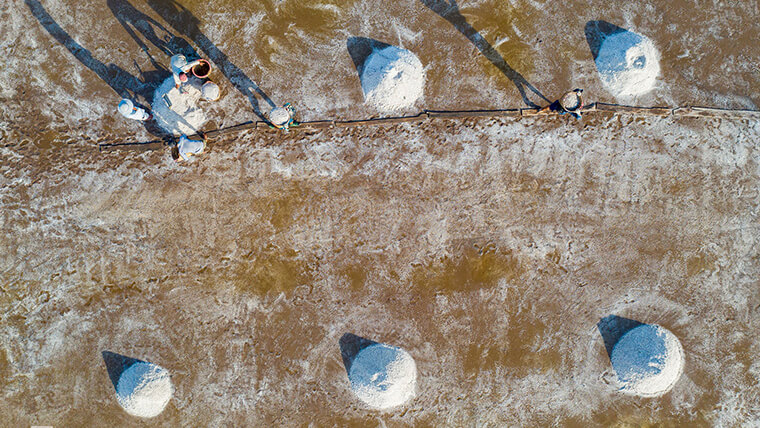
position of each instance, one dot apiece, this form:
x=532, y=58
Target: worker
x=571, y=102
x=180, y=69
x=187, y=148
x=283, y=117
x=128, y=110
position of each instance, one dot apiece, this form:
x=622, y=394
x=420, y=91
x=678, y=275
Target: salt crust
x=392, y=79
x=628, y=64
x=663, y=367
x=383, y=376
x=144, y=389
x=184, y=117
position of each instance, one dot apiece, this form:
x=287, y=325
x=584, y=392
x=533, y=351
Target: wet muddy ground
x=489, y=249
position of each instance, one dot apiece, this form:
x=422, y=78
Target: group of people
x=280, y=117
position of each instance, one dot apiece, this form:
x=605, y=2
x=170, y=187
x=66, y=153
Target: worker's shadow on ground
x=122, y=82
x=360, y=48
x=350, y=345
x=612, y=328
x=449, y=11
x=597, y=31
x=116, y=364
x=184, y=22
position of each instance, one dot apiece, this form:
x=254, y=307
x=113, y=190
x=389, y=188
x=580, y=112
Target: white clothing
x=128, y=110
x=188, y=147
x=279, y=116
x=179, y=65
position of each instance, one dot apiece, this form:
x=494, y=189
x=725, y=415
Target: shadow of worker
x=612, y=328
x=184, y=22
x=122, y=82
x=449, y=11
x=360, y=48
x=116, y=364
x=596, y=32
x=350, y=346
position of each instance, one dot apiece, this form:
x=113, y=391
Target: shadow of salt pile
x=612, y=328
x=350, y=346
x=116, y=364
x=597, y=31
x=143, y=389
x=360, y=48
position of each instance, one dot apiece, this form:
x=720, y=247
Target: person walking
x=571, y=102
x=127, y=109
x=283, y=117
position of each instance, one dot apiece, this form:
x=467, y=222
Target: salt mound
x=144, y=389
x=392, y=79
x=383, y=376
x=628, y=64
x=648, y=360
x=183, y=117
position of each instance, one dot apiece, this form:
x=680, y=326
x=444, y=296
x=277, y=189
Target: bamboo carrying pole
x=689, y=111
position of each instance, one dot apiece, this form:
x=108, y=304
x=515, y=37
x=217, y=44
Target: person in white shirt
x=180, y=68
x=128, y=110
x=187, y=148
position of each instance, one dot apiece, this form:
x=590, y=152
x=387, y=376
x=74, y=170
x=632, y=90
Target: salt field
x=488, y=253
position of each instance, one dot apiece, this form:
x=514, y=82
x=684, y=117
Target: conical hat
x=279, y=116
x=125, y=107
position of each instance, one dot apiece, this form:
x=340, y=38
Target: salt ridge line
x=687, y=111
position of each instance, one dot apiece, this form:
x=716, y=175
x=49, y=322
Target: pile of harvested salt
x=648, y=360
x=183, y=116
x=628, y=64
x=392, y=79
x=383, y=376
x=144, y=389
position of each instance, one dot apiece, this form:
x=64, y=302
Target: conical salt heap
x=648, y=360
x=383, y=376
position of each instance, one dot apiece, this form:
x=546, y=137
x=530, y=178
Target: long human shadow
x=116, y=364
x=612, y=328
x=449, y=11
x=134, y=21
x=596, y=32
x=122, y=82
x=360, y=48
x=184, y=22
x=350, y=345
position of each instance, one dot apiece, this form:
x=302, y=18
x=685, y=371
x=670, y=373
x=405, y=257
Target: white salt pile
x=648, y=360
x=392, y=79
x=144, y=389
x=383, y=376
x=179, y=115
x=628, y=64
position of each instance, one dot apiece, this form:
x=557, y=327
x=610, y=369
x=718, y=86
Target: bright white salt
x=648, y=360
x=383, y=376
x=144, y=389
x=392, y=79
x=184, y=116
x=628, y=64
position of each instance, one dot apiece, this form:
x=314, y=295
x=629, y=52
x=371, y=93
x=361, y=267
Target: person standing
x=128, y=110
x=180, y=68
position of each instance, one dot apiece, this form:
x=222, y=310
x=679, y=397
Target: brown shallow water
x=488, y=249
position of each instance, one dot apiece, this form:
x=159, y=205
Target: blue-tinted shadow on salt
x=371, y=370
x=612, y=328
x=360, y=48
x=350, y=346
x=597, y=31
x=639, y=353
x=116, y=364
